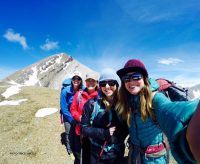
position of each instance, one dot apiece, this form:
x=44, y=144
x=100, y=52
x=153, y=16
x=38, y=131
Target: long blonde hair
x=124, y=107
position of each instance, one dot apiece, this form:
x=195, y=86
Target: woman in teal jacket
x=148, y=113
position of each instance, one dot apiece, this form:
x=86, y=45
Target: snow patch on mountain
x=32, y=80
x=58, y=60
x=45, y=112
x=12, y=102
x=196, y=94
x=50, y=64
x=12, y=82
x=14, y=89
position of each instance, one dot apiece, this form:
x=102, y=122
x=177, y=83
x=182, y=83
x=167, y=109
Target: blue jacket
x=66, y=98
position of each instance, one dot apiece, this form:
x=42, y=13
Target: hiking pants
x=76, y=148
x=85, y=150
x=69, y=136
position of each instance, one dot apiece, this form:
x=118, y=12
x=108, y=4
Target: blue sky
x=101, y=34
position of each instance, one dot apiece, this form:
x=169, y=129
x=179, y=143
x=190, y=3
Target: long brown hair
x=124, y=107
x=106, y=102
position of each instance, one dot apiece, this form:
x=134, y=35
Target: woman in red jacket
x=79, y=100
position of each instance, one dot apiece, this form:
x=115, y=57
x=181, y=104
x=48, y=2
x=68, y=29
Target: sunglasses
x=134, y=77
x=76, y=78
x=111, y=83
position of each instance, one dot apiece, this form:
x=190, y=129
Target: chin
x=91, y=88
x=109, y=95
x=134, y=92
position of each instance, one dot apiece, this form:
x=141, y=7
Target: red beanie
x=133, y=65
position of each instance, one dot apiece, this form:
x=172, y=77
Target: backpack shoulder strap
x=110, y=117
x=95, y=111
x=79, y=96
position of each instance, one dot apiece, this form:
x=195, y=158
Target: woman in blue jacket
x=66, y=98
x=148, y=113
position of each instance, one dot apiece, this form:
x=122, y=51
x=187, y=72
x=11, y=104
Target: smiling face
x=91, y=84
x=76, y=81
x=133, y=85
x=108, y=87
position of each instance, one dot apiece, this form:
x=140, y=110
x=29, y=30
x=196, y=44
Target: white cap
x=92, y=75
x=76, y=73
x=109, y=74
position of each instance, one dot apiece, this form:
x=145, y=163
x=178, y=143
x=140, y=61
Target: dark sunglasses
x=134, y=76
x=111, y=83
x=76, y=78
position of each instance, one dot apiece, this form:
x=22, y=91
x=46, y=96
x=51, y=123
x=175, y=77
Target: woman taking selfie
x=150, y=113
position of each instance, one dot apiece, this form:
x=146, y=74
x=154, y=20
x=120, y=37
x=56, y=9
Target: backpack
x=66, y=82
x=172, y=91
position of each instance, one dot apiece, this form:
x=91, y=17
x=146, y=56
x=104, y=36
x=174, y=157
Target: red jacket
x=76, y=108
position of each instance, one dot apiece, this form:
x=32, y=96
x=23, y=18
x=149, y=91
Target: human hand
x=112, y=130
x=73, y=123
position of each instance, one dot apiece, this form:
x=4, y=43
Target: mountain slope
x=194, y=92
x=49, y=72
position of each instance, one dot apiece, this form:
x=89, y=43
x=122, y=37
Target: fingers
x=112, y=130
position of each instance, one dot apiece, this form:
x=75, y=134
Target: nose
x=107, y=85
x=131, y=80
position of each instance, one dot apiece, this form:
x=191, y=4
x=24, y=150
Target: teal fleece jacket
x=173, y=119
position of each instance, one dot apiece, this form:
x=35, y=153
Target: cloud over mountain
x=49, y=45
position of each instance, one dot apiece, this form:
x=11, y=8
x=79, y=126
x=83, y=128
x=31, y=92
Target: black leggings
x=117, y=160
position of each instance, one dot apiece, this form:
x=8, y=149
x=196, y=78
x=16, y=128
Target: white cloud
x=49, y=45
x=186, y=80
x=170, y=61
x=155, y=10
x=11, y=36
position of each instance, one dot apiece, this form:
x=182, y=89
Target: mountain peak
x=49, y=72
